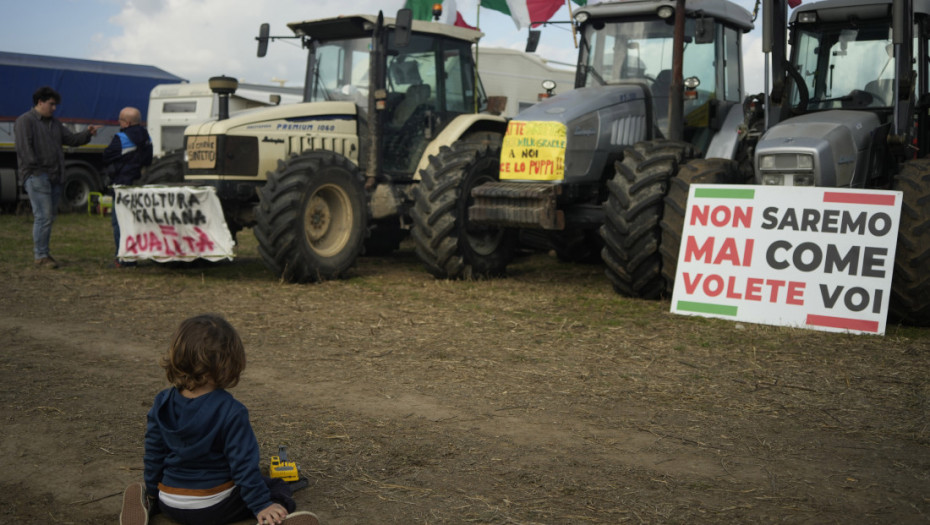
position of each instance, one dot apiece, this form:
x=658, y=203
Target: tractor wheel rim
x=328, y=220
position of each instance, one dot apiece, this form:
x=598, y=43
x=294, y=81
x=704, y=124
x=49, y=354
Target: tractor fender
x=458, y=128
x=723, y=145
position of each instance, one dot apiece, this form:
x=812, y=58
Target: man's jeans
x=44, y=198
x=115, y=224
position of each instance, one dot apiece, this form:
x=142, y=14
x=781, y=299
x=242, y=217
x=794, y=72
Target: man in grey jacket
x=41, y=159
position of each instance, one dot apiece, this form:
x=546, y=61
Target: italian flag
x=526, y=13
x=423, y=10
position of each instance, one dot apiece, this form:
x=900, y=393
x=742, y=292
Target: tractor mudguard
x=458, y=128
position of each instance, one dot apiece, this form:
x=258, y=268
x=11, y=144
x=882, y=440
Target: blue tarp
x=91, y=90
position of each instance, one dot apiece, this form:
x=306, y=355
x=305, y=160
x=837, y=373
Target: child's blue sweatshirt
x=202, y=443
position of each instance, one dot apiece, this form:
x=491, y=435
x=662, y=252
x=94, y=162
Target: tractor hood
x=837, y=143
x=249, y=144
x=571, y=105
x=275, y=118
x=597, y=122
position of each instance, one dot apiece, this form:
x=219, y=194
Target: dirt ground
x=540, y=398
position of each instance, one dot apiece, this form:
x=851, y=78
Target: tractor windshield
x=640, y=50
x=630, y=50
x=340, y=71
x=440, y=72
x=845, y=66
x=428, y=83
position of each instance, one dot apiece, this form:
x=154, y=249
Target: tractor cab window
x=845, y=66
x=732, y=88
x=641, y=51
x=461, y=93
x=411, y=84
x=340, y=72
x=628, y=51
x=428, y=82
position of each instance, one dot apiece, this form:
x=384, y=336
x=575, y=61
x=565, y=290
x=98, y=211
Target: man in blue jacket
x=127, y=153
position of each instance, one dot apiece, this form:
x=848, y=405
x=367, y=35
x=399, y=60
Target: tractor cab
x=407, y=88
x=633, y=42
x=848, y=111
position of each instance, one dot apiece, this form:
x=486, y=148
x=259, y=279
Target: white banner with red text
x=818, y=258
x=168, y=223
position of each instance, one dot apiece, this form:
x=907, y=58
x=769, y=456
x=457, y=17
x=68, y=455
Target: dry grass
x=541, y=398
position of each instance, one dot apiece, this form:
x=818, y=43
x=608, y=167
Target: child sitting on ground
x=201, y=455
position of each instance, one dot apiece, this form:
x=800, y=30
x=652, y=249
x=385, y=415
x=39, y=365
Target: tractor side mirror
x=704, y=30
x=403, y=25
x=262, y=40
x=532, y=41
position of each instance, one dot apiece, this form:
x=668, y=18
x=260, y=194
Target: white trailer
x=518, y=76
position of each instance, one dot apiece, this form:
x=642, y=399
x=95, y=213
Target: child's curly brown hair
x=204, y=348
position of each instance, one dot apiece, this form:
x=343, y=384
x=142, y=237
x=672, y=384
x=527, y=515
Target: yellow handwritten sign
x=533, y=151
x=201, y=152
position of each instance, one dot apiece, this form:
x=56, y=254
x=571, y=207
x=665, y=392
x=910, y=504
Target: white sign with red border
x=798, y=256
x=171, y=223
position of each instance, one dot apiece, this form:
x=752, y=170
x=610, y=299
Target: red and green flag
x=526, y=13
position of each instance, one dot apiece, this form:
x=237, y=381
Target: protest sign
x=167, y=223
x=810, y=257
x=533, y=151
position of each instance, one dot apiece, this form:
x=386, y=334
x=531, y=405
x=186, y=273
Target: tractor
x=849, y=109
x=325, y=180
x=584, y=172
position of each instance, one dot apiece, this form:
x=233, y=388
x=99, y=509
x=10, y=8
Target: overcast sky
x=198, y=39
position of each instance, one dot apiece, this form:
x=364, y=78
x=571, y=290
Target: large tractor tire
x=631, y=230
x=447, y=243
x=910, y=284
x=78, y=183
x=312, y=218
x=697, y=171
x=167, y=169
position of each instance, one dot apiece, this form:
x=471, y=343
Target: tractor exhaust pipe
x=902, y=16
x=775, y=48
x=676, y=88
x=223, y=86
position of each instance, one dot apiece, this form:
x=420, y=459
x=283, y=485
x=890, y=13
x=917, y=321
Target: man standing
x=128, y=152
x=41, y=159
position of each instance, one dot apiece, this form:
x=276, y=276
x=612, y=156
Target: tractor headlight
x=773, y=179
x=581, y=17
x=787, y=169
x=807, y=18
x=787, y=161
x=788, y=179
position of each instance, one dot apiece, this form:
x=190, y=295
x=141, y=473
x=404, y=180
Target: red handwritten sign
x=166, y=223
